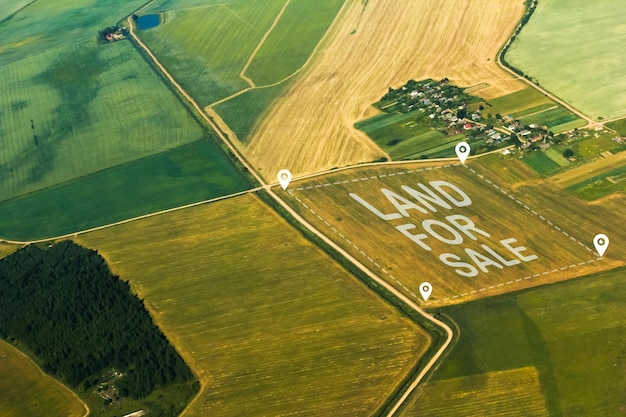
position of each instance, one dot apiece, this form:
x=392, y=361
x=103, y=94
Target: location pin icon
x=284, y=177
x=462, y=151
x=601, y=242
x=425, y=290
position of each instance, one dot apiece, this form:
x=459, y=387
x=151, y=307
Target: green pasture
x=49, y=24
x=532, y=110
x=408, y=135
x=206, y=47
x=619, y=126
x=271, y=325
x=557, y=156
x=292, y=41
x=27, y=391
x=540, y=162
x=592, y=146
x=92, y=107
x=184, y=175
x=521, y=100
x=242, y=112
x=601, y=185
x=10, y=7
x=554, y=119
x=572, y=48
x=573, y=333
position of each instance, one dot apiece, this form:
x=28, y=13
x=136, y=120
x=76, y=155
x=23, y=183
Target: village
x=449, y=110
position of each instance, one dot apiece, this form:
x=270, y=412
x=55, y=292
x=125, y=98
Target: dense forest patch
x=83, y=324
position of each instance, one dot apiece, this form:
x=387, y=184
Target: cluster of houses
x=445, y=105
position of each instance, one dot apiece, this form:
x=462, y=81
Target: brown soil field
x=385, y=43
x=557, y=229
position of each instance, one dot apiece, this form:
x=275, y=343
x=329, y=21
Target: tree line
x=63, y=304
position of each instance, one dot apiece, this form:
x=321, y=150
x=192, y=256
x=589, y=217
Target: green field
x=516, y=102
x=184, y=175
x=540, y=162
x=571, y=333
x=268, y=322
x=601, y=185
x=92, y=107
x=49, y=24
x=410, y=136
x=619, y=126
x=205, y=47
x=240, y=113
x=292, y=41
x=571, y=47
x=556, y=119
x=27, y=391
x=557, y=157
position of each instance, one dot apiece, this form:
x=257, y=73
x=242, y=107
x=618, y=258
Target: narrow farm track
x=312, y=229
x=242, y=74
x=310, y=128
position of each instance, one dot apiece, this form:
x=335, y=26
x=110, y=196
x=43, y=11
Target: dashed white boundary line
x=397, y=281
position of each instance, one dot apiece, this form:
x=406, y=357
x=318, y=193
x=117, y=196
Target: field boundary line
x=132, y=219
x=396, y=281
x=385, y=284
x=242, y=74
x=479, y=175
x=52, y=378
x=293, y=74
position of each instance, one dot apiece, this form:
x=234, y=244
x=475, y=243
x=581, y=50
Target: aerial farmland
x=337, y=207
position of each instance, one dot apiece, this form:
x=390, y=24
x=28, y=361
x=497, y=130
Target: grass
x=269, y=323
x=491, y=394
x=411, y=136
x=525, y=99
x=242, y=112
x=601, y=185
x=92, y=107
x=205, y=47
x=27, y=391
x=557, y=157
x=541, y=162
x=406, y=264
x=619, y=126
x=177, y=177
x=569, y=47
x=408, y=135
x=291, y=42
x=48, y=24
x=556, y=119
x=369, y=50
x=571, y=334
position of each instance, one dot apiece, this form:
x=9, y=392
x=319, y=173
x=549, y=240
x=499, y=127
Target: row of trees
x=531, y=5
x=63, y=304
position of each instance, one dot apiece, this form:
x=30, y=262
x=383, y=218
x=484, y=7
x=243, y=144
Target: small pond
x=148, y=21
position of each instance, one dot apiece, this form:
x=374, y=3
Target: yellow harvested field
x=7, y=249
x=385, y=43
x=27, y=391
x=589, y=170
x=268, y=322
x=515, y=392
x=468, y=245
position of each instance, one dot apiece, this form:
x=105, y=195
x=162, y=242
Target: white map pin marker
x=462, y=151
x=601, y=242
x=425, y=290
x=284, y=176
